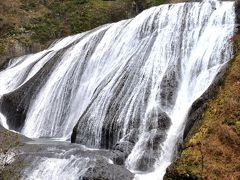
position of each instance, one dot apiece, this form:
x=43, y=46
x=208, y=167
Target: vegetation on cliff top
x=28, y=26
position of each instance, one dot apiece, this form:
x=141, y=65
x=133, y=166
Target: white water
x=59, y=169
x=205, y=57
x=176, y=49
x=3, y=121
x=56, y=168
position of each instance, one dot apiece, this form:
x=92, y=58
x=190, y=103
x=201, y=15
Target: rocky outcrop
x=13, y=48
x=121, y=148
x=97, y=163
x=104, y=170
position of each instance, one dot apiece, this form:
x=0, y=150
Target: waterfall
x=126, y=86
x=57, y=168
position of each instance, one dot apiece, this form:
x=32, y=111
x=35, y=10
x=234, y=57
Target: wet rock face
x=146, y=162
x=169, y=88
x=154, y=137
x=14, y=105
x=163, y=121
x=121, y=151
x=156, y=129
x=69, y=159
x=200, y=104
x=103, y=170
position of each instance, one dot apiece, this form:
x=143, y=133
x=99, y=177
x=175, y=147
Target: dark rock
x=119, y=157
x=105, y=171
x=146, y=162
x=124, y=146
x=164, y=121
x=158, y=120
x=121, y=151
x=169, y=87
x=152, y=150
x=157, y=139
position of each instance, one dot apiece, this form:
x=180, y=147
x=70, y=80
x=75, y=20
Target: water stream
x=127, y=84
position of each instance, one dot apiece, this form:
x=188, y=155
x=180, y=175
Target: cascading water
x=125, y=86
x=58, y=168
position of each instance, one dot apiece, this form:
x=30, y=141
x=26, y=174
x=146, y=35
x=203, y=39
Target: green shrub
x=229, y=121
